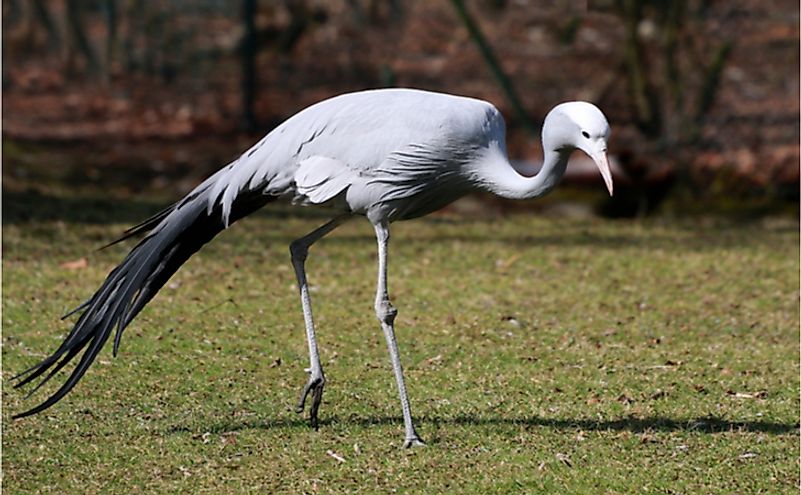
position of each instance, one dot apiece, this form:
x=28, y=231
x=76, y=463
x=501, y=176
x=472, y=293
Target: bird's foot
x=414, y=441
x=314, y=387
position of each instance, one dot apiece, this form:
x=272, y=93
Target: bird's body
x=388, y=155
x=369, y=153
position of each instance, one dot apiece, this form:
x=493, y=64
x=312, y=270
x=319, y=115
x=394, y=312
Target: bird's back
x=392, y=152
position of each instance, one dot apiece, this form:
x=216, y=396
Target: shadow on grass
x=707, y=424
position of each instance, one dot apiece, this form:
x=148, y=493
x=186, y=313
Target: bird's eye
x=585, y=134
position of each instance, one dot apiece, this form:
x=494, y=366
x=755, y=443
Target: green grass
x=541, y=355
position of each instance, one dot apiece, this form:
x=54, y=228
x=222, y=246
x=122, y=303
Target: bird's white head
x=579, y=125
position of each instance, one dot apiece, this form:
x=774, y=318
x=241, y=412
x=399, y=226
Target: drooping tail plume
x=172, y=236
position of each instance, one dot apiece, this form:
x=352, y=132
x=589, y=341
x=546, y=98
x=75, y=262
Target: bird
x=384, y=154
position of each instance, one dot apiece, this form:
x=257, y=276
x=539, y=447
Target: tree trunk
x=249, y=65
x=80, y=42
x=645, y=101
x=494, y=65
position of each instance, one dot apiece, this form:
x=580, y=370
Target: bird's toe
x=413, y=442
x=314, y=387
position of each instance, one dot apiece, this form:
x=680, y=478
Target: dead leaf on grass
x=75, y=265
x=228, y=438
x=625, y=399
x=565, y=459
x=336, y=456
x=747, y=395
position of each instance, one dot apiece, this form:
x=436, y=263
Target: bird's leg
x=386, y=315
x=299, y=249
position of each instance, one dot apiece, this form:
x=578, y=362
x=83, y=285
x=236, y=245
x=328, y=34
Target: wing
x=319, y=179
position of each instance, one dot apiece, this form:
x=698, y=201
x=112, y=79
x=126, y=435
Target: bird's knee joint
x=386, y=312
x=298, y=250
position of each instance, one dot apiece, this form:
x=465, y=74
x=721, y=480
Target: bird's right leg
x=299, y=249
x=386, y=313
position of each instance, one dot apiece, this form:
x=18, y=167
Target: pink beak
x=603, y=166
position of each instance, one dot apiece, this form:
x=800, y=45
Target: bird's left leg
x=299, y=249
x=386, y=315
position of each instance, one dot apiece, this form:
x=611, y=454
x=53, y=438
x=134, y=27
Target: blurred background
x=144, y=98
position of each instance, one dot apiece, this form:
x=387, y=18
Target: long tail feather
x=172, y=236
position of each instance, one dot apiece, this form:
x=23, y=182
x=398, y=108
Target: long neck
x=498, y=176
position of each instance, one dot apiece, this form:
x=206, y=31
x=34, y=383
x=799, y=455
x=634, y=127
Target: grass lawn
x=542, y=355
